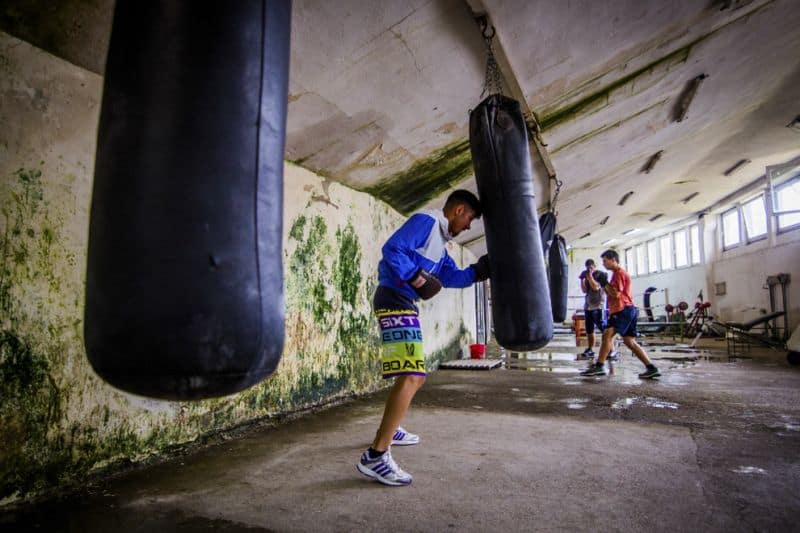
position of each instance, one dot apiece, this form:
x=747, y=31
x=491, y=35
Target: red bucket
x=477, y=351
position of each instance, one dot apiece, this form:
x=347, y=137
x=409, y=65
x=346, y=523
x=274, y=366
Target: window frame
x=643, y=247
x=654, y=259
x=778, y=229
x=686, y=251
x=695, y=227
x=722, y=215
x=630, y=266
x=661, y=239
x=743, y=221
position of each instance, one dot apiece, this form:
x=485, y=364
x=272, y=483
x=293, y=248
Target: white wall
x=743, y=269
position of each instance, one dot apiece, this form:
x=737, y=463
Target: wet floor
x=713, y=445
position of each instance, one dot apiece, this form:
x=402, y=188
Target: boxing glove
x=482, y=268
x=600, y=277
x=430, y=286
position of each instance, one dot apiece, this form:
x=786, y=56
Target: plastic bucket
x=477, y=351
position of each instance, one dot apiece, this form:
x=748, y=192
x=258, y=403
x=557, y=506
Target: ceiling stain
x=447, y=129
x=552, y=118
x=602, y=129
x=410, y=189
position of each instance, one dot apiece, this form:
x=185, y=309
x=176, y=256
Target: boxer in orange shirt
x=622, y=320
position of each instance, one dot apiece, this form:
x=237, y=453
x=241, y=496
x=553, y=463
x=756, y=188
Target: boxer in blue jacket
x=415, y=265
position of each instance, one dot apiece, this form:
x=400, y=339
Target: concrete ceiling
x=380, y=94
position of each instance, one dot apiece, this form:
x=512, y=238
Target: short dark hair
x=463, y=196
x=588, y=263
x=610, y=254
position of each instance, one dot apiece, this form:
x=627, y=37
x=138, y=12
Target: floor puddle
x=749, y=470
x=576, y=403
x=538, y=367
x=647, y=401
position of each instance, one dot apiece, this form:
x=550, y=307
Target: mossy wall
x=58, y=421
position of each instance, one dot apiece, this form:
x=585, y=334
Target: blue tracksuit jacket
x=420, y=243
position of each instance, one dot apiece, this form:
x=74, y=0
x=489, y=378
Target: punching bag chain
x=553, y=202
x=493, y=82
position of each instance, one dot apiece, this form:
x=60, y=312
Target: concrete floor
x=714, y=445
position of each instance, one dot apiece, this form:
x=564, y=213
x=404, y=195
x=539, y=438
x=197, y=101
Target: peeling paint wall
x=58, y=421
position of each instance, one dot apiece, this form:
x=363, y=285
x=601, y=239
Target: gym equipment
x=184, y=289
x=698, y=319
x=558, y=270
x=740, y=337
x=772, y=282
x=763, y=330
x=547, y=225
x=647, y=308
x=521, y=310
x=793, y=347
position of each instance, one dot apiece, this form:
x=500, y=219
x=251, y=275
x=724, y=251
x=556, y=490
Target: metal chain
x=553, y=203
x=493, y=82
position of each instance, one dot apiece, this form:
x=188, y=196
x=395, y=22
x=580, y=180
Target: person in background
x=593, y=306
x=622, y=320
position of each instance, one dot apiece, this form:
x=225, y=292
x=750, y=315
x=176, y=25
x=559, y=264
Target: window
x=787, y=197
x=630, y=261
x=730, y=228
x=641, y=260
x=652, y=257
x=666, y=252
x=755, y=218
x=694, y=239
x=681, y=251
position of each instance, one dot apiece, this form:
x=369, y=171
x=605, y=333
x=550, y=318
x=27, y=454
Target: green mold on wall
x=333, y=349
x=410, y=189
x=40, y=340
x=336, y=351
x=31, y=407
x=447, y=353
x=348, y=266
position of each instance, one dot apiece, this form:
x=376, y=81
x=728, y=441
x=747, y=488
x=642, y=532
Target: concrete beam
x=543, y=170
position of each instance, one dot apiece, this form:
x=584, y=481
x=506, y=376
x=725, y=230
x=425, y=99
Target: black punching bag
x=558, y=269
x=547, y=225
x=184, y=288
x=648, y=309
x=521, y=310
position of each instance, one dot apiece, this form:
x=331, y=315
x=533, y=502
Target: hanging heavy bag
x=521, y=310
x=184, y=288
x=547, y=225
x=648, y=309
x=558, y=268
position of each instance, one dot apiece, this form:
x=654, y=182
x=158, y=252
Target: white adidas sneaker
x=404, y=438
